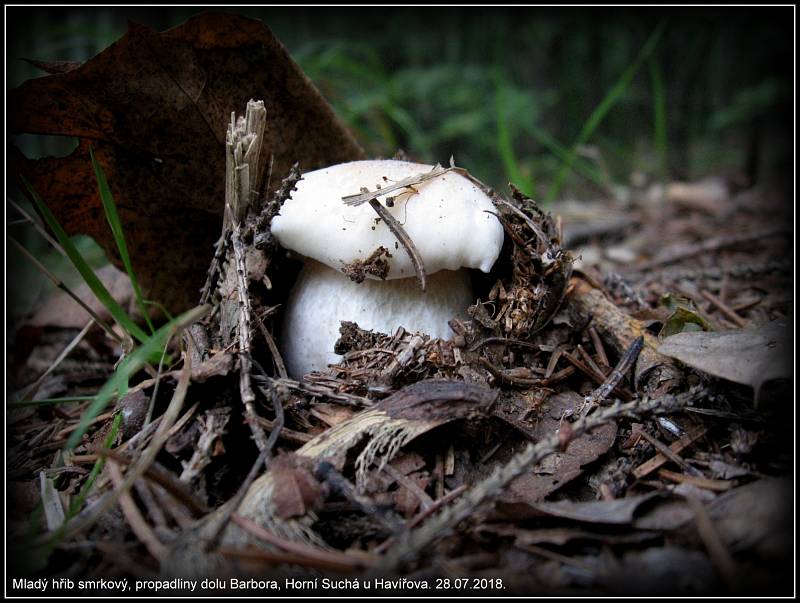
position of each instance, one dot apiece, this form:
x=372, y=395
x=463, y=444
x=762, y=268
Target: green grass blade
x=78, y=501
x=40, y=554
x=129, y=367
x=114, y=222
x=583, y=167
x=611, y=98
x=85, y=270
x=49, y=401
x=505, y=145
x=659, y=116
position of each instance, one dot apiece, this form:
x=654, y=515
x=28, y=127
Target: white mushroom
x=449, y=219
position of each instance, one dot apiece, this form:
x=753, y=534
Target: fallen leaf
x=564, y=536
x=669, y=514
x=61, y=311
x=619, y=511
x=296, y=490
x=558, y=469
x=749, y=356
x=155, y=107
x=757, y=516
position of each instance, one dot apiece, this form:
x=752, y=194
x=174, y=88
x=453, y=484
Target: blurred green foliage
x=553, y=99
x=508, y=91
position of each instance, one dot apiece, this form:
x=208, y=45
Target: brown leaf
x=558, y=469
x=296, y=489
x=54, y=66
x=155, y=107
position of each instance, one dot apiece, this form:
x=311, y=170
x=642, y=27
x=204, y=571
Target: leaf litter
x=413, y=454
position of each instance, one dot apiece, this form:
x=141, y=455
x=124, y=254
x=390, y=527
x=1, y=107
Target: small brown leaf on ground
x=155, y=107
x=296, y=489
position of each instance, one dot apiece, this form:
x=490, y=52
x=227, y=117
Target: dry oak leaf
x=155, y=107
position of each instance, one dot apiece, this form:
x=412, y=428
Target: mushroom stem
x=323, y=297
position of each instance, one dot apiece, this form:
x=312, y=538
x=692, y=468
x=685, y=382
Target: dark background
x=507, y=91
x=504, y=89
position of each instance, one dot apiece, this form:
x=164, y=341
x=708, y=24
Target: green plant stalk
x=44, y=550
x=39, y=228
x=596, y=118
x=505, y=145
x=659, y=115
x=78, y=501
x=85, y=270
x=50, y=401
x=129, y=367
x=112, y=215
x=583, y=167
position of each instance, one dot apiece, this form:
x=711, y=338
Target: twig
x=590, y=361
x=230, y=509
x=68, y=430
x=138, y=524
x=715, y=485
x=613, y=380
x=28, y=394
x=403, y=359
x=158, y=475
x=504, y=340
x=335, y=559
x=288, y=435
x=243, y=148
x=412, y=544
x=510, y=379
x=321, y=391
x=426, y=502
x=87, y=519
x=402, y=236
x=599, y=347
x=325, y=472
x=653, y=372
x=273, y=348
x=553, y=361
x=215, y=268
x=366, y=195
x=212, y=429
x=531, y=224
x=671, y=455
x=657, y=461
x=714, y=544
x=244, y=336
x=724, y=308
x=149, y=416
x=422, y=515
x=38, y=226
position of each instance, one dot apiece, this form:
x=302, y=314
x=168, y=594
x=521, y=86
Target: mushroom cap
x=322, y=297
x=446, y=219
